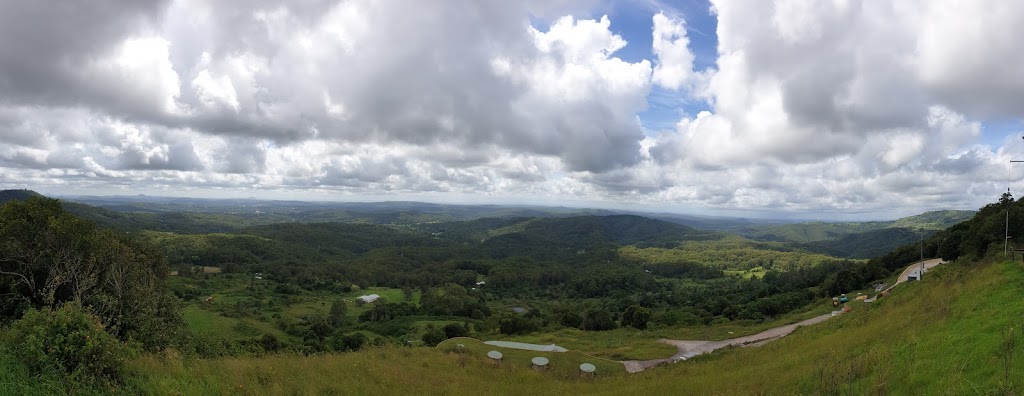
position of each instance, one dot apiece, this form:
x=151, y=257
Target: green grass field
x=220, y=318
x=201, y=321
x=959, y=332
x=618, y=344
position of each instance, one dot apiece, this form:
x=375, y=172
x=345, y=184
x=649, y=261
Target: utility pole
x=1006, y=242
x=920, y=236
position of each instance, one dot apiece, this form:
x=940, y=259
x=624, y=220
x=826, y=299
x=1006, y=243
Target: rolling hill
x=822, y=231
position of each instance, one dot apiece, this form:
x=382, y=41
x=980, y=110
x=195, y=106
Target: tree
x=348, y=342
x=1005, y=199
x=49, y=257
x=68, y=340
x=517, y=325
x=453, y=330
x=450, y=299
x=598, y=320
x=41, y=252
x=338, y=315
x=636, y=317
x=433, y=335
x=270, y=343
x=571, y=319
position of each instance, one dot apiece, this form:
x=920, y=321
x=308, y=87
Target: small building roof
x=369, y=297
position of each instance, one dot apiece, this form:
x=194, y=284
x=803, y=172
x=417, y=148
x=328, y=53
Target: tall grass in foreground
x=958, y=332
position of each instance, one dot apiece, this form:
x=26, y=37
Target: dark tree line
x=49, y=257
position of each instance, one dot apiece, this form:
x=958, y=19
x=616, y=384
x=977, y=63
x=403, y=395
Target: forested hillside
x=822, y=231
x=857, y=240
x=291, y=286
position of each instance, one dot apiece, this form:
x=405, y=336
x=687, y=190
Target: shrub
x=433, y=336
x=453, y=330
x=517, y=325
x=68, y=340
x=571, y=319
x=270, y=343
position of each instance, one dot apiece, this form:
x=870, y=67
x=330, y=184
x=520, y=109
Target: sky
x=832, y=109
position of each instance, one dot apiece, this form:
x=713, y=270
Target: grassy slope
x=942, y=336
x=631, y=344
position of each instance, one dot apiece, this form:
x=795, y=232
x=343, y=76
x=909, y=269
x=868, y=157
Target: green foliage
x=517, y=325
x=338, y=314
x=433, y=336
x=596, y=319
x=946, y=335
x=453, y=330
x=729, y=253
x=451, y=299
x=270, y=343
x=348, y=342
x=571, y=320
x=820, y=231
x=636, y=317
x=49, y=257
x=983, y=234
x=387, y=311
x=935, y=220
x=684, y=269
x=869, y=244
x=67, y=340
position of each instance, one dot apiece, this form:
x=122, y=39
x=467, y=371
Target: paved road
x=914, y=267
x=690, y=349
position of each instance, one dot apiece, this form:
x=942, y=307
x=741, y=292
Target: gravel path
x=689, y=349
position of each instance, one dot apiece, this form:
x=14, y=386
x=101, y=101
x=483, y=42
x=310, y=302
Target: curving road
x=913, y=269
x=689, y=349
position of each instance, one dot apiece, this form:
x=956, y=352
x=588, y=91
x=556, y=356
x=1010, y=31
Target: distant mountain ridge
x=482, y=222
x=21, y=195
x=821, y=231
x=859, y=240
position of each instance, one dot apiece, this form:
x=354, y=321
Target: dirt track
x=689, y=349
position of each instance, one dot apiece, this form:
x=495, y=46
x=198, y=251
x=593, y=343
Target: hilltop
x=20, y=195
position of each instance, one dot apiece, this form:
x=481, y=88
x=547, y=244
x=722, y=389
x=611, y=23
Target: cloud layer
x=814, y=107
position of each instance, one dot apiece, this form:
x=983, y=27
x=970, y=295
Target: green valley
x=608, y=288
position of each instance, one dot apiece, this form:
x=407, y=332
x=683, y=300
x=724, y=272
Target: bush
x=598, y=320
x=453, y=330
x=571, y=319
x=433, y=336
x=517, y=325
x=68, y=340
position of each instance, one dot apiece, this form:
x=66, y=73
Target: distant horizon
x=737, y=108
x=763, y=216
